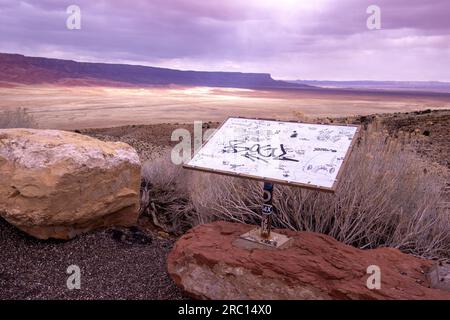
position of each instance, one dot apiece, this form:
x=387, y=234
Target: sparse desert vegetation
x=17, y=118
x=389, y=196
x=166, y=196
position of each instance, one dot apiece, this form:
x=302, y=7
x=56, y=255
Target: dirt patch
x=431, y=130
x=150, y=141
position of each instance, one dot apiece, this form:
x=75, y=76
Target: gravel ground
x=117, y=263
x=150, y=141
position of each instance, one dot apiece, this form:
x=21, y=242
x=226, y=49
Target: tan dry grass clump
x=17, y=118
x=165, y=196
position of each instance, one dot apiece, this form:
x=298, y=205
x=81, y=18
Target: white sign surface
x=308, y=155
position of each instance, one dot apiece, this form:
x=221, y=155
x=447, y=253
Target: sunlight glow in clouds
x=291, y=39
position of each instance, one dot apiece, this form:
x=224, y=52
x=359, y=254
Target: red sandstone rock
x=208, y=264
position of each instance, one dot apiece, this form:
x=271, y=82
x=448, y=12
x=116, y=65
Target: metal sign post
x=264, y=235
x=267, y=210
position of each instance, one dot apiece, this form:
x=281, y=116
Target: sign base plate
x=275, y=240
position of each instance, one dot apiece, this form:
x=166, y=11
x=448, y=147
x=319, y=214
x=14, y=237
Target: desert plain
x=82, y=107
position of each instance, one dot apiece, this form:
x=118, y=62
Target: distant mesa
x=15, y=68
x=428, y=86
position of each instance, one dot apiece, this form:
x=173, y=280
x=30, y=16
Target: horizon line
x=141, y=64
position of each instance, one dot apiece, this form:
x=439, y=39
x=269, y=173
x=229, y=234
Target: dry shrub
x=387, y=196
x=165, y=196
x=17, y=118
x=301, y=116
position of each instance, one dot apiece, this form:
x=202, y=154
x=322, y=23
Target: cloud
x=316, y=39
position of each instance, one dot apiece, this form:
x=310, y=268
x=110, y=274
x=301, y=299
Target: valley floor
x=59, y=107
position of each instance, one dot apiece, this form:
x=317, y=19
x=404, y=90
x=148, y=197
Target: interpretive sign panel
x=300, y=154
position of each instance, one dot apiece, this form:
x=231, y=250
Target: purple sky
x=291, y=39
